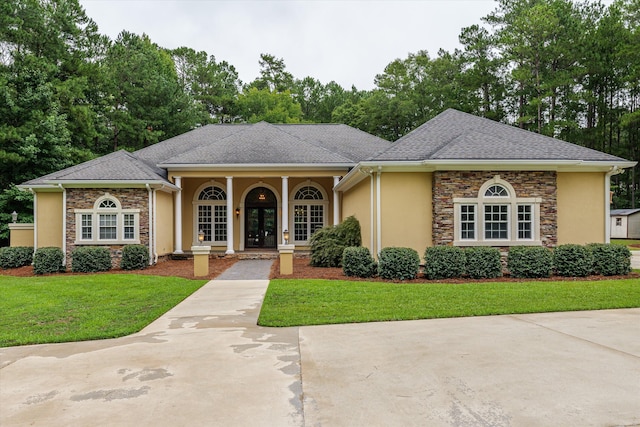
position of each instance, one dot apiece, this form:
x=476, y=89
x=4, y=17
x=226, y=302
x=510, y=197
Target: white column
x=285, y=208
x=177, y=216
x=230, y=215
x=336, y=202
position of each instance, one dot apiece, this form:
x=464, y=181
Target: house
x=625, y=223
x=456, y=180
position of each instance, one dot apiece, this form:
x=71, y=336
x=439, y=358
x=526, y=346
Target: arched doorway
x=261, y=222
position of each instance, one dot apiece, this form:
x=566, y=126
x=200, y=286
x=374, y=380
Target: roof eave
x=59, y=184
x=253, y=166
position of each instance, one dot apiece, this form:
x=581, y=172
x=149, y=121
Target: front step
x=243, y=255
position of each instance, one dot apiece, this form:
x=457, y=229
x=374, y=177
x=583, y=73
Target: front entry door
x=261, y=222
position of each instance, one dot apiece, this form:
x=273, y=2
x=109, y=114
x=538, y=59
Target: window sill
x=497, y=243
x=105, y=242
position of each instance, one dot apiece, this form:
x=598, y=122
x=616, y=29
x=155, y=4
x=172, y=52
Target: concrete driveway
x=206, y=363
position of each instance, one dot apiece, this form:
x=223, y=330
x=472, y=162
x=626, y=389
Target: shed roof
x=624, y=212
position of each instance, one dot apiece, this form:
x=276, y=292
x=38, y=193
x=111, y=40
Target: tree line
x=565, y=69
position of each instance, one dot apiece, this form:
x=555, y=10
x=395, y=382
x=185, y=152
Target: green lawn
x=36, y=310
x=315, y=302
x=626, y=242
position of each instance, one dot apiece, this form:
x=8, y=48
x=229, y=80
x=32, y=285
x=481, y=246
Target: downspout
x=370, y=174
x=35, y=220
x=151, y=225
x=607, y=202
x=155, y=224
x=64, y=224
x=378, y=209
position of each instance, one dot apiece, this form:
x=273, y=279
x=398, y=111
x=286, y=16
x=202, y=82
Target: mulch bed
x=301, y=270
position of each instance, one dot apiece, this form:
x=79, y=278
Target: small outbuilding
x=625, y=223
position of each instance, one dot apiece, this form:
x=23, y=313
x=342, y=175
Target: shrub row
x=444, y=262
x=328, y=243
x=16, y=256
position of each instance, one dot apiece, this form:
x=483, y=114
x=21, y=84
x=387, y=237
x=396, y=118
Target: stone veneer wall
x=450, y=184
x=84, y=198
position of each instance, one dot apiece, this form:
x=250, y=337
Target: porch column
x=229, y=215
x=336, y=202
x=285, y=206
x=177, y=216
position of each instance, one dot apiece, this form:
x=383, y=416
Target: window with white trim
x=210, y=210
x=107, y=223
x=309, y=212
x=497, y=217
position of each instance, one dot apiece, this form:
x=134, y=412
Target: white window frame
x=94, y=215
x=308, y=203
x=214, y=203
x=508, y=199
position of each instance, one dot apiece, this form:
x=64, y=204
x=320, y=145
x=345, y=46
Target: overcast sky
x=346, y=41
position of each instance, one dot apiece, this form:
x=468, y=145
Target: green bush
x=48, y=260
x=89, y=259
x=444, y=262
x=328, y=243
x=398, y=263
x=610, y=260
x=530, y=262
x=483, y=262
x=134, y=257
x=572, y=260
x=357, y=261
x=16, y=256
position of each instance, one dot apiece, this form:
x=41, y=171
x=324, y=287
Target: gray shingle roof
x=454, y=135
x=118, y=166
x=623, y=212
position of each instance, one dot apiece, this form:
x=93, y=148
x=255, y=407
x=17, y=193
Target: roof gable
x=454, y=135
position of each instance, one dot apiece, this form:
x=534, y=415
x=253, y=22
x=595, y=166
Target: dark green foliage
x=134, y=257
x=89, y=259
x=572, y=260
x=48, y=260
x=610, y=260
x=14, y=257
x=530, y=262
x=483, y=262
x=357, y=261
x=328, y=243
x=398, y=263
x=443, y=262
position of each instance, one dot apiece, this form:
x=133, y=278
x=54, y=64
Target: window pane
x=204, y=221
x=316, y=220
x=129, y=227
x=496, y=222
x=220, y=223
x=525, y=222
x=496, y=191
x=300, y=224
x=107, y=204
x=87, y=227
x=467, y=222
x=108, y=227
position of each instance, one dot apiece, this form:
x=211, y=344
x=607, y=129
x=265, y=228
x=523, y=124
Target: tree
x=258, y=105
x=273, y=76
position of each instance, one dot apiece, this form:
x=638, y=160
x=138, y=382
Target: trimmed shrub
x=358, y=262
x=572, y=260
x=610, y=260
x=483, y=262
x=48, y=260
x=89, y=259
x=16, y=256
x=328, y=243
x=134, y=257
x=530, y=262
x=398, y=263
x=444, y=262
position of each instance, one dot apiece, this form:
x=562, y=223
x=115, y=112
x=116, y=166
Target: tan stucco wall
x=357, y=202
x=20, y=235
x=164, y=223
x=581, y=208
x=406, y=210
x=49, y=223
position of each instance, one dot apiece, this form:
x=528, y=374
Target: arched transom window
x=107, y=223
x=497, y=217
x=210, y=210
x=309, y=212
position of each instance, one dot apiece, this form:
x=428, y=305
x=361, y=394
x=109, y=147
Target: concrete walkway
x=635, y=259
x=206, y=363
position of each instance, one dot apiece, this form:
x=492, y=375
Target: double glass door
x=261, y=227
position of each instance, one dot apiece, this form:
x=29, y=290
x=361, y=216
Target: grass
x=626, y=242
x=36, y=310
x=315, y=302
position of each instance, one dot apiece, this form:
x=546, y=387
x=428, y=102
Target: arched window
x=210, y=210
x=497, y=217
x=309, y=211
x=107, y=223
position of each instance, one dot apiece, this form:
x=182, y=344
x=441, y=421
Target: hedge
x=573, y=260
x=48, y=260
x=15, y=256
x=483, y=262
x=358, y=262
x=328, y=243
x=90, y=259
x=610, y=260
x=529, y=262
x=134, y=257
x=444, y=262
x=398, y=263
